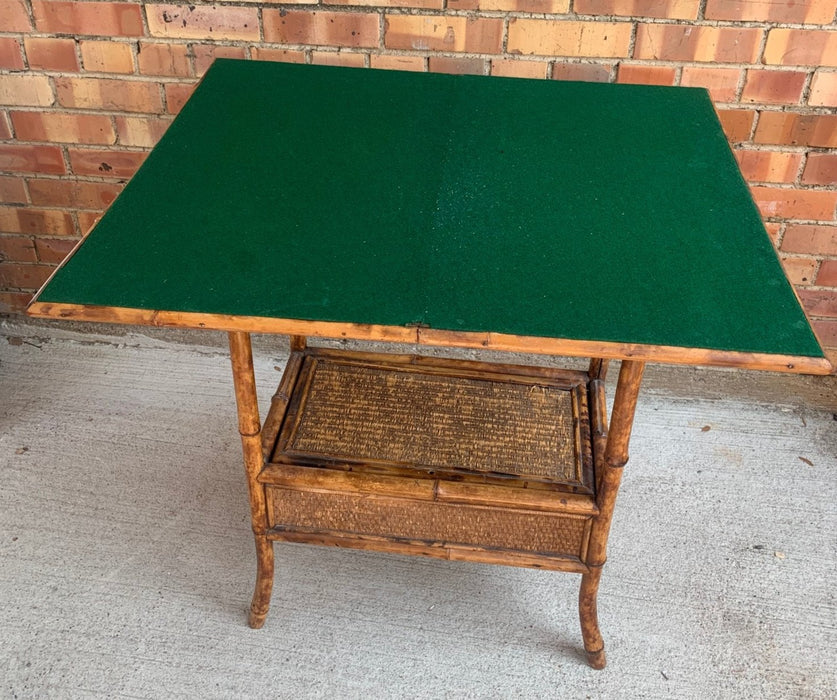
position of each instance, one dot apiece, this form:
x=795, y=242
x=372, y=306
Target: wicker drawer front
x=428, y=522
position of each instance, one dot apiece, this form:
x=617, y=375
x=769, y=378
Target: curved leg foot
x=264, y=582
x=588, y=614
x=596, y=659
x=256, y=620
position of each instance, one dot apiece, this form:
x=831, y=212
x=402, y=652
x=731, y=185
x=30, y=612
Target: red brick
x=12, y=190
x=87, y=220
x=457, y=66
x=106, y=93
x=791, y=129
x=821, y=169
x=17, y=249
x=23, y=158
x=645, y=75
x=800, y=271
x=514, y=68
x=10, y=55
x=14, y=302
x=24, y=276
x=827, y=333
x=819, y=302
x=49, y=222
x=164, y=59
x=15, y=16
x=25, y=90
x=338, y=58
x=111, y=163
x=259, y=53
x=549, y=7
x=737, y=123
x=792, y=203
x=722, y=83
x=584, y=72
x=810, y=239
x=88, y=18
x=678, y=42
x=827, y=276
x=63, y=128
x=801, y=47
x=769, y=166
x=675, y=9
x=394, y=62
x=176, y=96
x=567, y=38
x=205, y=54
x=141, y=131
x=783, y=11
x=421, y=4
x=72, y=194
x=54, y=250
x=350, y=29
x=107, y=57
x=216, y=22
x=773, y=86
x=823, y=89
x=51, y=54
x=452, y=34
x=5, y=126
x=774, y=228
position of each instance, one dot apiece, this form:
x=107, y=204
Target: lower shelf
x=454, y=459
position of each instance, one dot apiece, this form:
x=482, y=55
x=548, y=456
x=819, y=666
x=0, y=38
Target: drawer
x=432, y=523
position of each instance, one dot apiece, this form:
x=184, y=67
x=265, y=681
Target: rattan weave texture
x=362, y=412
x=432, y=522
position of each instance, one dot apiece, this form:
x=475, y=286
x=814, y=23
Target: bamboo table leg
x=249, y=426
x=615, y=457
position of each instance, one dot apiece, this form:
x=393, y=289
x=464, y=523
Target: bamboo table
x=603, y=221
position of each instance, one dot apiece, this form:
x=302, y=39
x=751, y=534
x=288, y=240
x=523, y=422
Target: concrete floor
x=126, y=560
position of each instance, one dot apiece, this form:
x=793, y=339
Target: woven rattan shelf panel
x=445, y=418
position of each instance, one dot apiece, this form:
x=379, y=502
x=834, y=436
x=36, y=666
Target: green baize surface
x=537, y=208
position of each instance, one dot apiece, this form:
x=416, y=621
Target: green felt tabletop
x=534, y=208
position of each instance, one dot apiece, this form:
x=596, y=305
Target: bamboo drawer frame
x=459, y=460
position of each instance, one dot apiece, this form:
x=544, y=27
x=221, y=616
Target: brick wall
x=87, y=88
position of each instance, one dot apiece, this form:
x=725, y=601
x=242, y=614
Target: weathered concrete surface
x=126, y=560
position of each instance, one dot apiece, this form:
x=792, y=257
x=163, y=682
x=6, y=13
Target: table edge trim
x=433, y=337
